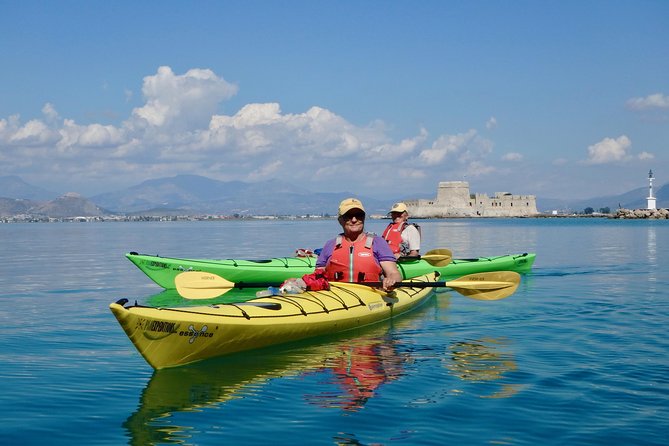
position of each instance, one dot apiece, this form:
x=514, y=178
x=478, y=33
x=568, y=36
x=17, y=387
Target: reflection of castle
x=454, y=200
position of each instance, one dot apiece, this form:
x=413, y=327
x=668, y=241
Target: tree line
x=590, y=211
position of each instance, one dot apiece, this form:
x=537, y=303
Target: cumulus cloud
x=33, y=133
x=179, y=128
x=609, y=150
x=646, y=156
x=463, y=146
x=182, y=100
x=491, y=123
x=657, y=100
x=50, y=113
x=478, y=169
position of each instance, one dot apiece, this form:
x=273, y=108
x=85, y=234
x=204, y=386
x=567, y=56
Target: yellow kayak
x=169, y=337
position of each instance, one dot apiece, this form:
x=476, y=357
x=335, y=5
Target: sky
x=555, y=98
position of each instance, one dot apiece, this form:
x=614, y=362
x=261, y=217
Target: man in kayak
x=352, y=256
x=403, y=237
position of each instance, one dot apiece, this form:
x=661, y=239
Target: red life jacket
x=393, y=235
x=353, y=262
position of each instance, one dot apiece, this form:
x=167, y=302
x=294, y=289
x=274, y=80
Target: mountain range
x=193, y=194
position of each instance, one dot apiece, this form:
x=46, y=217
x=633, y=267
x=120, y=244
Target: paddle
x=481, y=286
x=435, y=257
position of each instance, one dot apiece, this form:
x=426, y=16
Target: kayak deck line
x=275, y=303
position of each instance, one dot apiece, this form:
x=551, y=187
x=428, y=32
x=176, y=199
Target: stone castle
x=455, y=200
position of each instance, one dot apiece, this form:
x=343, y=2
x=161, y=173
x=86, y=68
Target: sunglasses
x=357, y=215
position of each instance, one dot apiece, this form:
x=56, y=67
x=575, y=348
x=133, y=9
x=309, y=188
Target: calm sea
x=579, y=355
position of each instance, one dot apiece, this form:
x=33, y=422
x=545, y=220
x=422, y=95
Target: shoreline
x=620, y=214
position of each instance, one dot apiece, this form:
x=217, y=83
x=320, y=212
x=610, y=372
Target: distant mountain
x=14, y=187
x=14, y=206
x=197, y=194
x=69, y=205
x=634, y=199
x=193, y=194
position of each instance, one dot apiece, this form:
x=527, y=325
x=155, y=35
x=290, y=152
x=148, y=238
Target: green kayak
x=163, y=270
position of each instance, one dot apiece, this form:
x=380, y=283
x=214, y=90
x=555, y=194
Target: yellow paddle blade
x=492, y=285
x=435, y=257
x=440, y=252
x=438, y=257
x=201, y=285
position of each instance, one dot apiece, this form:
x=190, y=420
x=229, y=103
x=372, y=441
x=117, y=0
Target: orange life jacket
x=393, y=235
x=353, y=262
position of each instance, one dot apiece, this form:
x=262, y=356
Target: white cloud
x=609, y=150
x=491, y=123
x=512, y=156
x=50, y=113
x=646, y=156
x=478, y=169
x=266, y=171
x=657, y=100
x=179, y=129
x=33, y=133
x=446, y=145
x=182, y=101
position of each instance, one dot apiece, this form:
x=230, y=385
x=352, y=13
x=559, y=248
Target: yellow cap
x=348, y=204
x=398, y=207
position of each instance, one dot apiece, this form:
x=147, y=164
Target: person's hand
x=391, y=275
x=389, y=283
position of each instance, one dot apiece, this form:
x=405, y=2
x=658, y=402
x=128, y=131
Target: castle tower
x=651, y=199
x=454, y=194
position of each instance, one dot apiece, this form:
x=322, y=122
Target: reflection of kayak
x=212, y=384
x=168, y=337
x=163, y=270
x=172, y=298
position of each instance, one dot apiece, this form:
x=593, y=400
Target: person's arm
x=384, y=255
x=413, y=240
x=325, y=254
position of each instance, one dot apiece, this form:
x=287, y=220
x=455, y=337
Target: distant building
x=454, y=200
x=651, y=200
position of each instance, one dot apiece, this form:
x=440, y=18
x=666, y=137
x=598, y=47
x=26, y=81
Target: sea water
x=579, y=355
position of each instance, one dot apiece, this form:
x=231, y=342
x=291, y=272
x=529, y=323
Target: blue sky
x=561, y=99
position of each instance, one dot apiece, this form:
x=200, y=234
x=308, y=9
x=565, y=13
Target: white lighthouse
x=651, y=199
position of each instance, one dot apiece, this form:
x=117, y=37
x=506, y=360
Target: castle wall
x=454, y=200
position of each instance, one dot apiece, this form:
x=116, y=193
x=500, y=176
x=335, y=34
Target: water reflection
x=358, y=370
x=349, y=371
x=171, y=298
x=652, y=254
x=482, y=361
x=652, y=258
x=361, y=362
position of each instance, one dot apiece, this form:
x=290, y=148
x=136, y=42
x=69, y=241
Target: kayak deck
x=168, y=337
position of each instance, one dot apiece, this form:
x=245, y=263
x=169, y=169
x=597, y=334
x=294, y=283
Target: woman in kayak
x=352, y=256
x=403, y=237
